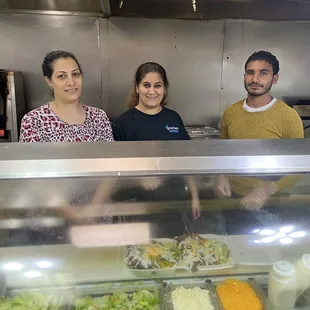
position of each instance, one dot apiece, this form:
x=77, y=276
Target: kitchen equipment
x=12, y=105
x=202, y=132
x=302, y=267
x=282, y=286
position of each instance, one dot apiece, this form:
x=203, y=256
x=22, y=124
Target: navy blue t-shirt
x=134, y=125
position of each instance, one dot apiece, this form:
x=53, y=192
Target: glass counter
x=97, y=219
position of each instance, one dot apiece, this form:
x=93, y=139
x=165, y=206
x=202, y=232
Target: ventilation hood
x=186, y=9
x=50, y=6
x=214, y=9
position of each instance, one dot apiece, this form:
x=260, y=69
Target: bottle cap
x=284, y=268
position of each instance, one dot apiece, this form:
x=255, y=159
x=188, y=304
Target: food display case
x=118, y=226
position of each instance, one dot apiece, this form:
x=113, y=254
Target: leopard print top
x=43, y=125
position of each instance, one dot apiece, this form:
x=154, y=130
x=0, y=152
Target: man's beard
x=265, y=90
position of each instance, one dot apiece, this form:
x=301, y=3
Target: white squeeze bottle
x=282, y=285
x=302, y=267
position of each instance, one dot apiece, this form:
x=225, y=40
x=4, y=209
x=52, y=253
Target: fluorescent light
x=255, y=231
x=44, y=264
x=280, y=235
x=298, y=234
x=13, y=266
x=32, y=274
x=268, y=239
x=257, y=241
x=286, y=229
x=267, y=232
x=286, y=240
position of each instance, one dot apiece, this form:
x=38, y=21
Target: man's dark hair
x=266, y=56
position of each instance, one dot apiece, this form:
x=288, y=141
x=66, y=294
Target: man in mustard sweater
x=259, y=116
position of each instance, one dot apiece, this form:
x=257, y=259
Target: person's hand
x=150, y=183
x=258, y=197
x=196, y=208
x=76, y=214
x=222, y=187
x=85, y=214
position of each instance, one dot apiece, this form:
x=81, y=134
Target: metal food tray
x=67, y=292
x=102, y=289
x=255, y=286
x=170, y=285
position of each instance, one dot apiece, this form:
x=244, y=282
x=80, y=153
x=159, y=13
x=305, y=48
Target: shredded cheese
x=236, y=295
x=191, y=299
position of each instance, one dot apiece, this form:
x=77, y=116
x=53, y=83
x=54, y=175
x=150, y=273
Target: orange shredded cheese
x=237, y=295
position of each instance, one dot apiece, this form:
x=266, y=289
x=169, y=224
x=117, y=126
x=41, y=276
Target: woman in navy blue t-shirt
x=148, y=119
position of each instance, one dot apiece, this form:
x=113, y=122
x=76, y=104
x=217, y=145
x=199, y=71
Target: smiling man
x=259, y=116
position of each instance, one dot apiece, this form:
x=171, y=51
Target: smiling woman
x=65, y=119
x=147, y=117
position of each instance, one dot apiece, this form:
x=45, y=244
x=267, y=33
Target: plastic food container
x=282, y=286
x=302, y=267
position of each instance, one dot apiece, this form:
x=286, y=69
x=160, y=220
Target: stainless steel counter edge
x=49, y=160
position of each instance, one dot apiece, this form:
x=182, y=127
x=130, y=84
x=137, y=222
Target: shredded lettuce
x=33, y=301
x=140, y=300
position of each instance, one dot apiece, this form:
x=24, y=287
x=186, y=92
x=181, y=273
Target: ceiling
x=186, y=9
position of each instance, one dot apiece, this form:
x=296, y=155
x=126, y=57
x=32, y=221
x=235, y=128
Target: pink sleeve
x=28, y=132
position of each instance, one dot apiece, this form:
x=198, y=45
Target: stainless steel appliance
x=12, y=105
x=69, y=251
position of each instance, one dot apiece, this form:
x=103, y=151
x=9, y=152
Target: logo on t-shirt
x=172, y=129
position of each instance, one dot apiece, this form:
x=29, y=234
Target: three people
x=259, y=116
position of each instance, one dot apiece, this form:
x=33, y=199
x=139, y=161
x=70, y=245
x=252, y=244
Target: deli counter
x=141, y=225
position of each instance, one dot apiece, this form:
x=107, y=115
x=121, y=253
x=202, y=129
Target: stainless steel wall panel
x=191, y=52
x=110, y=50
x=104, y=45
x=25, y=39
x=289, y=41
x=53, y=5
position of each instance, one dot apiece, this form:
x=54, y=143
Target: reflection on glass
x=44, y=264
x=286, y=229
x=298, y=234
x=286, y=240
x=267, y=232
x=12, y=266
x=268, y=239
x=90, y=238
x=32, y=274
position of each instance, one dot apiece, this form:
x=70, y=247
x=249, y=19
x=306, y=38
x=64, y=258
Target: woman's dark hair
x=50, y=58
x=266, y=56
x=142, y=71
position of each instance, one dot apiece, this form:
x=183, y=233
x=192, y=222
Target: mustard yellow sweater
x=278, y=122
